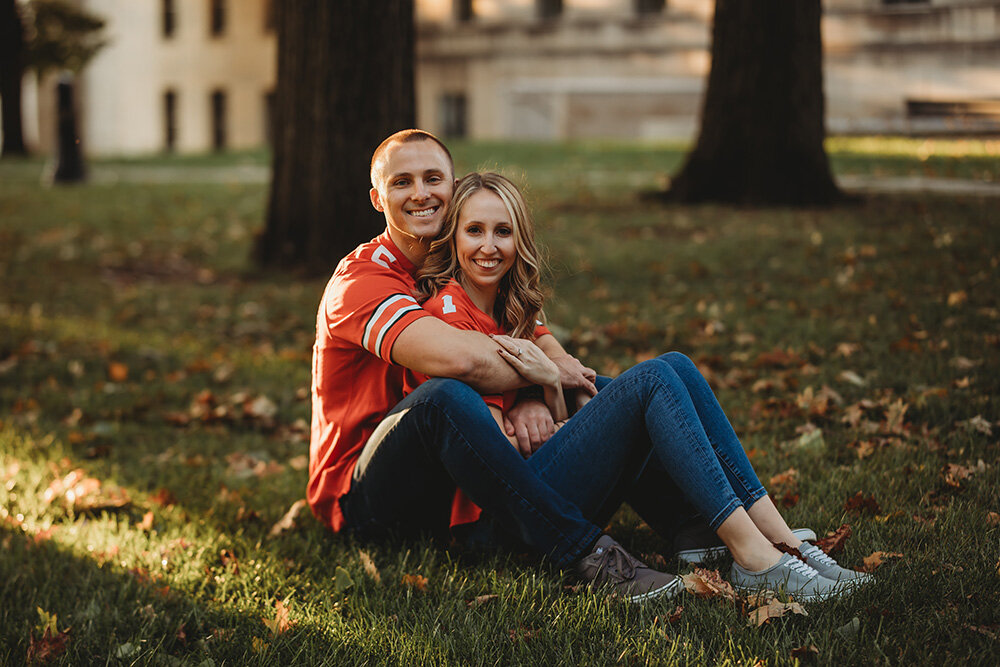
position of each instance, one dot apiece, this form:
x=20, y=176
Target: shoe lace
x=617, y=564
x=817, y=554
x=801, y=568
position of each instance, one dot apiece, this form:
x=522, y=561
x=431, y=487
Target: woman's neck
x=484, y=299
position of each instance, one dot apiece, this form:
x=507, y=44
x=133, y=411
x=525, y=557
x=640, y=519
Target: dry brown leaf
x=708, y=584
x=894, y=416
x=146, y=524
x=784, y=481
x=300, y=462
x=287, y=522
x=675, y=615
x=230, y=561
x=834, y=540
x=281, y=623
x=871, y=563
x=48, y=646
x=992, y=519
x=369, y=566
x=117, y=371
x=480, y=600
x=977, y=424
x=859, y=503
x=957, y=298
x=415, y=581
x=774, y=609
x=164, y=497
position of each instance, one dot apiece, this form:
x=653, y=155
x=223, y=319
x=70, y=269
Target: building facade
x=198, y=75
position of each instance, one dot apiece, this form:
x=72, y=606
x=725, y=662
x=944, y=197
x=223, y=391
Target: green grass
x=122, y=304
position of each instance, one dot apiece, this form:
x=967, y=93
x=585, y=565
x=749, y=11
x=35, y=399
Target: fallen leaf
x=834, y=540
x=300, y=462
x=774, y=609
x=957, y=298
x=784, y=481
x=287, y=522
x=369, y=566
x=851, y=377
x=480, y=600
x=859, y=502
x=280, y=624
x=871, y=563
x=811, y=440
x=342, y=580
x=894, y=416
x=849, y=629
x=146, y=524
x=992, y=519
x=50, y=643
x=163, y=497
x=708, y=584
x=675, y=615
x=230, y=561
x=978, y=425
x=259, y=645
x=415, y=581
x=117, y=371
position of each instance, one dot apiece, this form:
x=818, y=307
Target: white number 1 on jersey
x=449, y=307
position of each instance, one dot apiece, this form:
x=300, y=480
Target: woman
x=654, y=437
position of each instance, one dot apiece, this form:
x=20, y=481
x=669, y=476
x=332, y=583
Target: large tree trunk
x=762, y=125
x=11, y=73
x=345, y=82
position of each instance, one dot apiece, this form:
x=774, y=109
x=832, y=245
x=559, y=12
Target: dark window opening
x=462, y=10
x=169, y=18
x=549, y=9
x=219, y=120
x=645, y=7
x=217, y=17
x=170, y=121
x=453, y=115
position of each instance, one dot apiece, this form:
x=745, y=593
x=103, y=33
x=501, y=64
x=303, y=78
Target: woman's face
x=484, y=240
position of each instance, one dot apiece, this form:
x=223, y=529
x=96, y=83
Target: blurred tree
x=345, y=82
x=41, y=35
x=762, y=122
x=11, y=73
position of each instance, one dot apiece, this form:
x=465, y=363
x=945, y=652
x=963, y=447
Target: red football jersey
x=453, y=305
x=367, y=304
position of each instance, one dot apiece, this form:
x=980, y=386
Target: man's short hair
x=406, y=136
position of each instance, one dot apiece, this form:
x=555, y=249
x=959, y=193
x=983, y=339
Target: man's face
x=414, y=186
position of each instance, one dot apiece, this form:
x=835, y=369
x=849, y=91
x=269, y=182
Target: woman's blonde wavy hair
x=519, y=299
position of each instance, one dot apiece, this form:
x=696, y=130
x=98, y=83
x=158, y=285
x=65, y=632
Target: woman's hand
x=528, y=359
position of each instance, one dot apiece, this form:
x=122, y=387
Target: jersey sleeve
x=368, y=306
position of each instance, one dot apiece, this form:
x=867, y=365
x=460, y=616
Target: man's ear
x=376, y=200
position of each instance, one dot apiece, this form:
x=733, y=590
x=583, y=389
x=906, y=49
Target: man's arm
x=435, y=348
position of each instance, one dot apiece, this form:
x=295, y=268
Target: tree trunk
x=11, y=74
x=762, y=124
x=69, y=157
x=345, y=82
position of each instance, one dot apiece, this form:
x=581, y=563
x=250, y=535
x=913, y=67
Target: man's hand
x=530, y=422
x=574, y=375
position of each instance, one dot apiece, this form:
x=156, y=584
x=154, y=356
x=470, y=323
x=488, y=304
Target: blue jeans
x=655, y=437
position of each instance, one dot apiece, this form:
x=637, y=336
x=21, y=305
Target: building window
x=170, y=121
x=219, y=120
x=646, y=7
x=269, y=100
x=549, y=9
x=169, y=18
x=269, y=18
x=217, y=17
x=462, y=10
x=453, y=115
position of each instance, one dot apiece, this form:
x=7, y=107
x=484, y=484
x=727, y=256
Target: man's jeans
x=655, y=437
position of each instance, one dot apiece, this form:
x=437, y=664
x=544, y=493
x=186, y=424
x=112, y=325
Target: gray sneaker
x=698, y=543
x=790, y=575
x=827, y=567
x=609, y=565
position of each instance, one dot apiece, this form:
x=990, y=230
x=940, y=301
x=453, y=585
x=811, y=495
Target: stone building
x=197, y=75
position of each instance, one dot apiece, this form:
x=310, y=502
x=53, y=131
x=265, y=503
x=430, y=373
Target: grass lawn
x=154, y=408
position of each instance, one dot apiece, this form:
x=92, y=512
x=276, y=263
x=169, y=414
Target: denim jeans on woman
x=655, y=437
